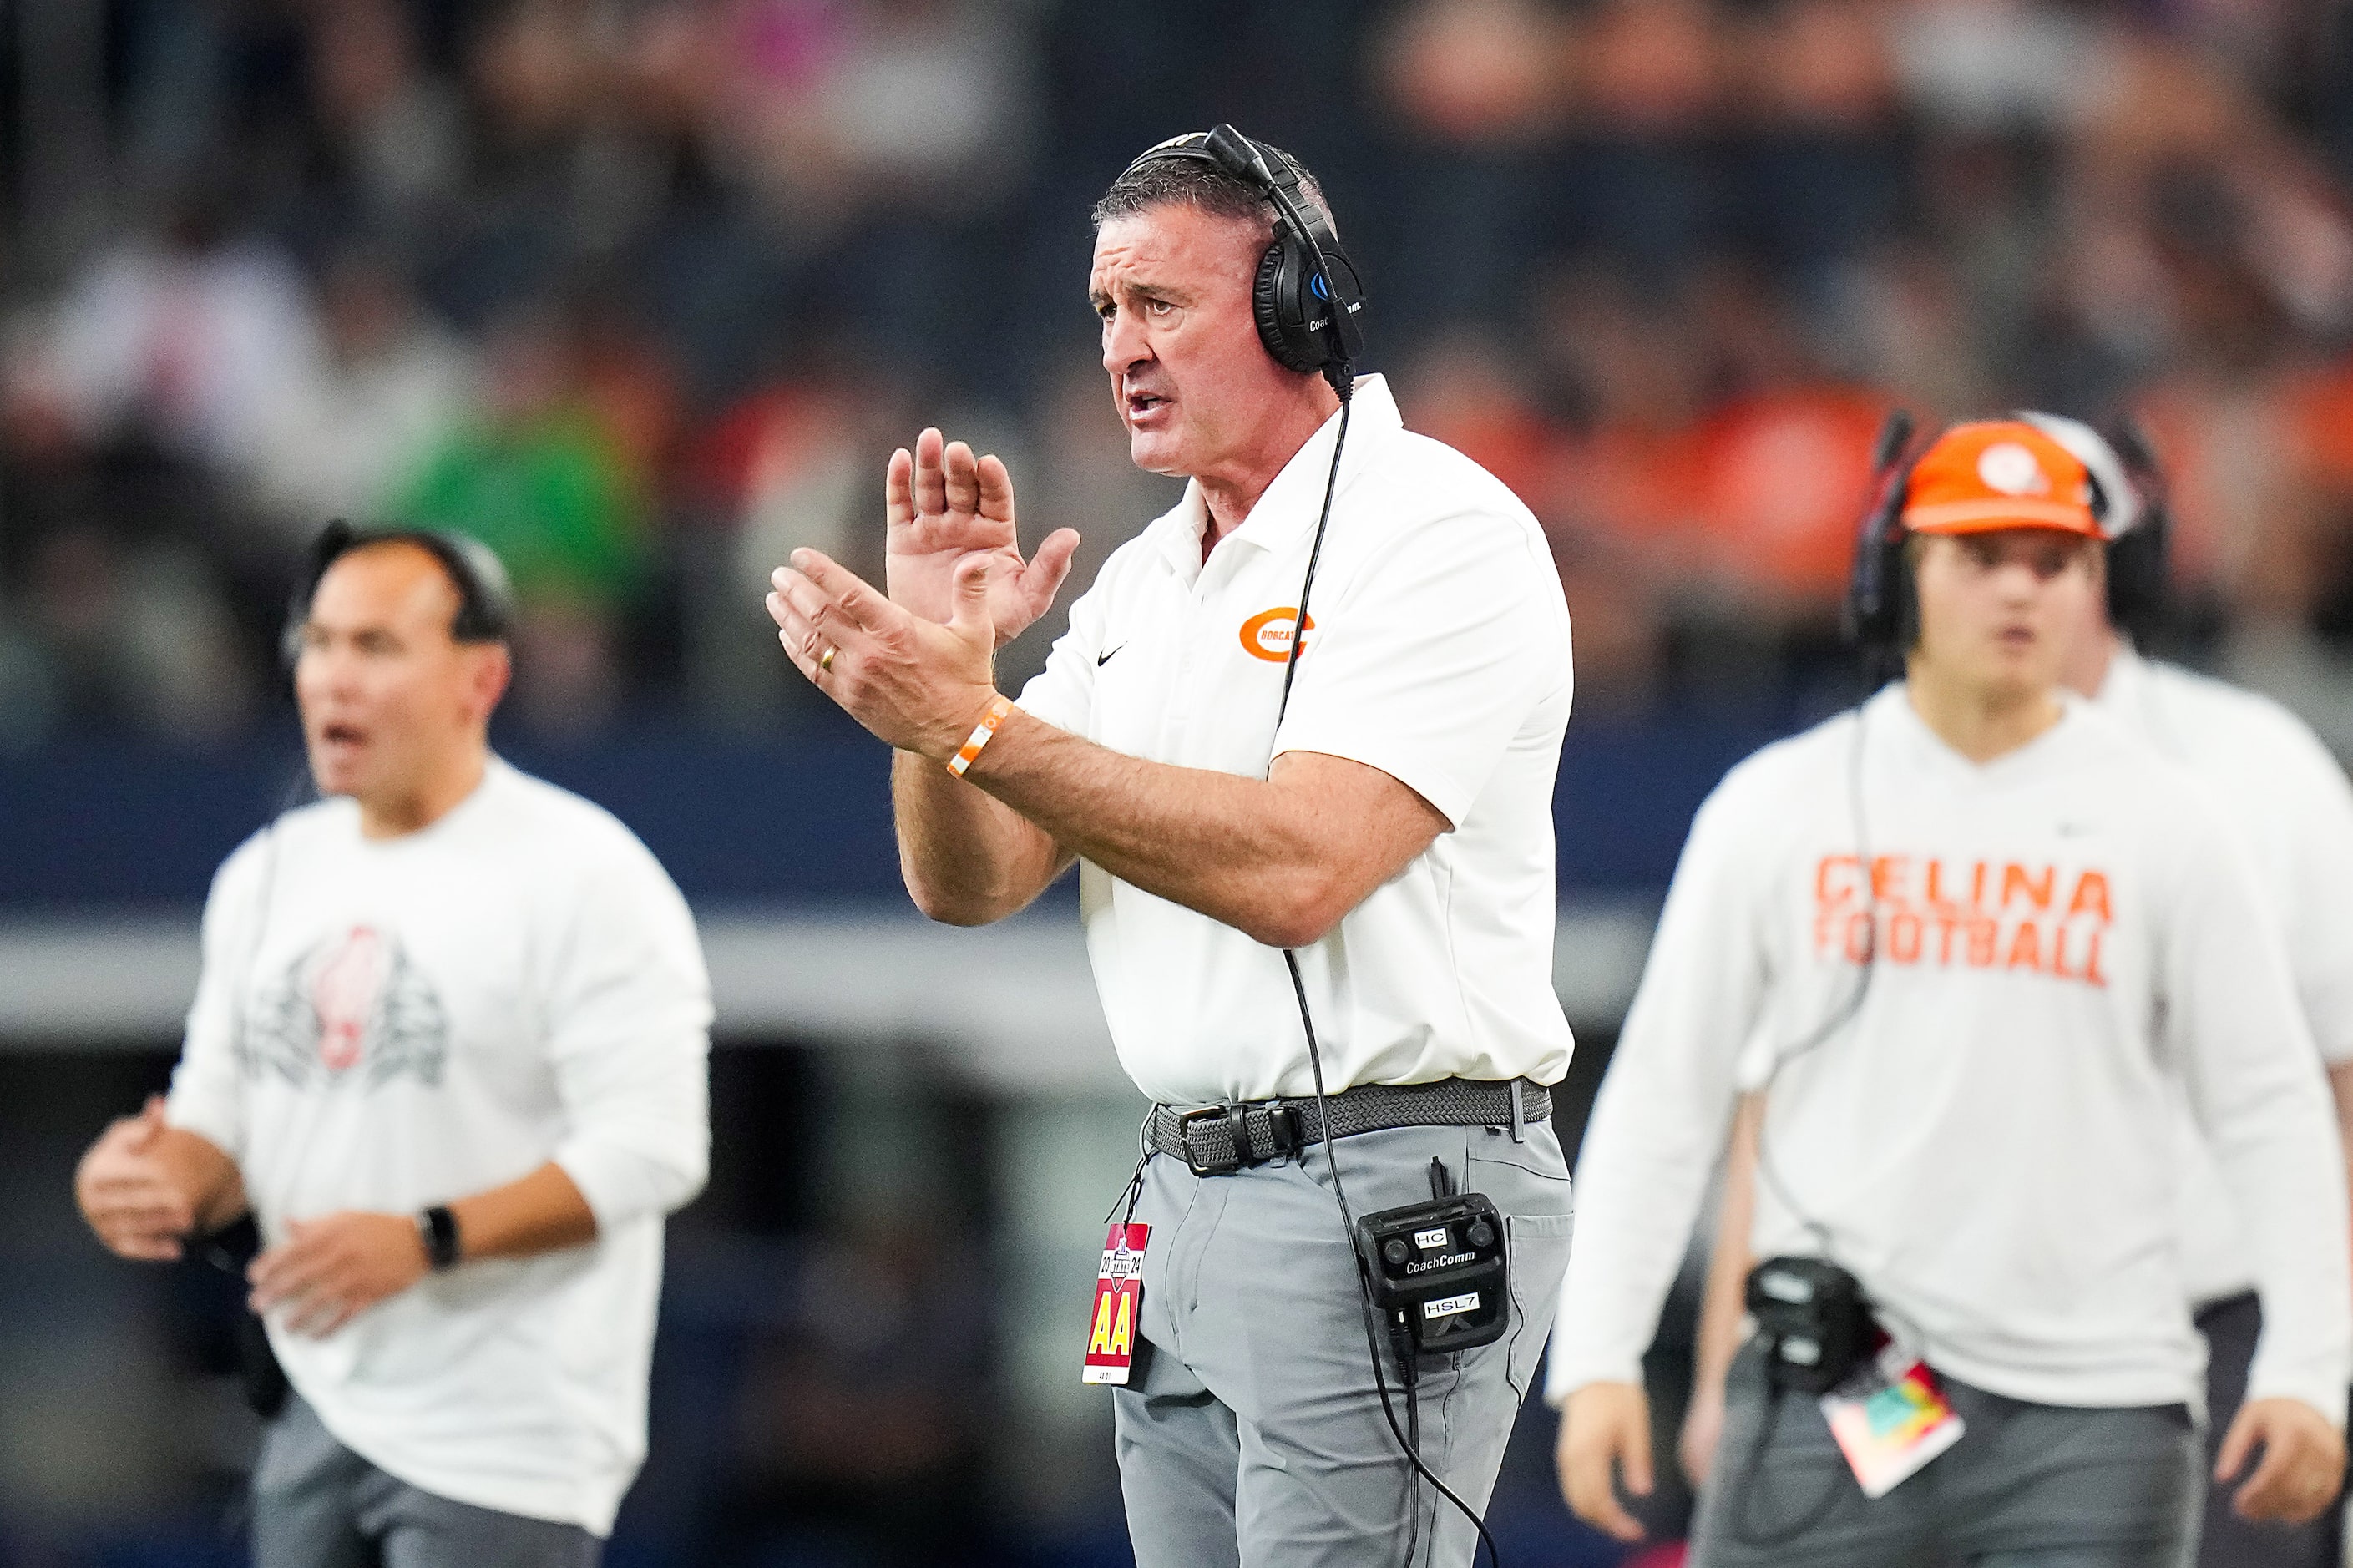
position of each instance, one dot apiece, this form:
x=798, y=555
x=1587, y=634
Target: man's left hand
x=2302, y=1464
x=914, y=683
x=328, y=1270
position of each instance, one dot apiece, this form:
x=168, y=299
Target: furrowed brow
x=1138, y=291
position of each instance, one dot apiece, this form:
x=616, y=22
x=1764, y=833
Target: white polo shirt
x=1436, y=651
x=2277, y=786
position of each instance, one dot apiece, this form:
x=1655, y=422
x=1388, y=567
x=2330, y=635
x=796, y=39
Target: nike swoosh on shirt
x=1104, y=659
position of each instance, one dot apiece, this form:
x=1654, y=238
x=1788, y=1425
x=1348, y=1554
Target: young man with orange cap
x=1984, y=940
x=2277, y=785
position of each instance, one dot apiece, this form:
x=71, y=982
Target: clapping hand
x=944, y=505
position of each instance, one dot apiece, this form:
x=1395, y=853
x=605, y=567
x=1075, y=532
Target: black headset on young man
x=2129, y=501
x=486, y=609
x=1307, y=296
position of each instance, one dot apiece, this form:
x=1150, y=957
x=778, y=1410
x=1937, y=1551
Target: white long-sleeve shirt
x=2274, y=783
x=2063, y=933
x=387, y=1024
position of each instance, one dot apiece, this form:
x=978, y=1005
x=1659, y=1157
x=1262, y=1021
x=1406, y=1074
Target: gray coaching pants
x=1249, y=1434
x=316, y=1504
x=2028, y=1486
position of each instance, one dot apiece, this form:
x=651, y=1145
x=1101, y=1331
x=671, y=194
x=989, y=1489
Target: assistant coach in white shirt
x=1392, y=827
x=448, y=1045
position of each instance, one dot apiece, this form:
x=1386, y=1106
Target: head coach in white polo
x=1377, y=812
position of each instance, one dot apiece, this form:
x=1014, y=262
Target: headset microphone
x=1894, y=436
x=1238, y=153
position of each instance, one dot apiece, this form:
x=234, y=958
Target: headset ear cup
x=2136, y=578
x=1876, y=607
x=1873, y=612
x=1883, y=610
x=1279, y=329
x=1903, y=615
x=2140, y=600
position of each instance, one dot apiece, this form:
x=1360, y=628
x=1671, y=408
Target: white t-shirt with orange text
x=2068, y=938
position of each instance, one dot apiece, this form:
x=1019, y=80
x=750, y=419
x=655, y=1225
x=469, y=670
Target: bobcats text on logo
x=1266, y=635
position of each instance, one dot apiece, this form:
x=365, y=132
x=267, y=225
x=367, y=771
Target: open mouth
x=1143, y=405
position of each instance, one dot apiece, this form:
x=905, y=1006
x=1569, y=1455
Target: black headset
x=1883, y=614
x=1307, y=296
x=486, y=609
x=2140, y=559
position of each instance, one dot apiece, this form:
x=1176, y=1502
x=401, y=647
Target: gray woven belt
x=1219, y=1140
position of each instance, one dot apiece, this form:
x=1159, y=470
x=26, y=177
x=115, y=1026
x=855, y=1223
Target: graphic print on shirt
x=2042, y=917
x=354, y=1009
x=1266, y=635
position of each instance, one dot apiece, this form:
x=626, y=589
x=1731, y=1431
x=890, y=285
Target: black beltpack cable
x=235, y=1245
x=1814, y=1321
x=1408, y=1434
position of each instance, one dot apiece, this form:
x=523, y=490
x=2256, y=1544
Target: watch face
x=439, y=1228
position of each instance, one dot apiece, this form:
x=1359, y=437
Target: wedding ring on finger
x=824, y=665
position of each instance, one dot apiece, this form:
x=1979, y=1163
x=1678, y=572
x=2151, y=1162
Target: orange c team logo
x=1266, y=635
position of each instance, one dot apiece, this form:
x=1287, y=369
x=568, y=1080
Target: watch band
x=438, y=1228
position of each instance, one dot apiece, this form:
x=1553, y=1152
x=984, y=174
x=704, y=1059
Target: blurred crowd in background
x=641, y=292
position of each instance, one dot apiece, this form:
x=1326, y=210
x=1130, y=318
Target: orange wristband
x=982, y=733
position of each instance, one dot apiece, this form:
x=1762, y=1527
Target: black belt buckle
x=1232, y=1114
x=1283, y=1125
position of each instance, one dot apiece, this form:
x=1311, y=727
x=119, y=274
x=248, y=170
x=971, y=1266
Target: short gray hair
x=1161, y=182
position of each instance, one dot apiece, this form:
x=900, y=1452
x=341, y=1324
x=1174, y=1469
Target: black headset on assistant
x=486, y=605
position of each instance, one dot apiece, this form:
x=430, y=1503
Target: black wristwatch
x=438, y=1229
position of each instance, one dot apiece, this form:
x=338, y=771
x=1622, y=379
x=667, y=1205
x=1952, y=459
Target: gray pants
x=2028, y=1486
x=1251, y=1435
x=316, y=1504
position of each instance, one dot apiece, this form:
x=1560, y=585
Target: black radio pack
x=1812, y=1321
x=1438, y=1272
